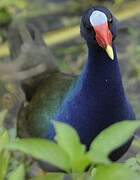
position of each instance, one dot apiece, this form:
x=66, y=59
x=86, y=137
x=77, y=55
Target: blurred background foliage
x=58, y=21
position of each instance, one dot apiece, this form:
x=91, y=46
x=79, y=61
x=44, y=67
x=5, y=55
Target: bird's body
x=89, y=102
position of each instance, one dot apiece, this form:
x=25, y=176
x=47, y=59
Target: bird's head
x=98, y=26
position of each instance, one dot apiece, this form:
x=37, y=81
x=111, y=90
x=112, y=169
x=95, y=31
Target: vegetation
x=17, y=156
x=8, y=8
x=68, y=154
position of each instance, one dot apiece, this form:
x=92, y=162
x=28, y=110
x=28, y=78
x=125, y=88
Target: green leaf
x=18, y=173
x=115, y=172
x=62, y=176
x=68, y=139
x=110, y=139
x=4, y=140
x=43, y=150
x=50, y=176
x=138, y=158
x=4, y=161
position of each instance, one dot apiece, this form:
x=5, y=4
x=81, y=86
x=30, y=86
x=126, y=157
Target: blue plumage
x=97, y=99
x=91, y=102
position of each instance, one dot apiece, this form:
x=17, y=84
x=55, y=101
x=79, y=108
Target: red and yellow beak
x=104, y=38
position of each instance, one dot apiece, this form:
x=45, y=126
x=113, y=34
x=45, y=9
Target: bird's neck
x=101, y=75
x=100, y=68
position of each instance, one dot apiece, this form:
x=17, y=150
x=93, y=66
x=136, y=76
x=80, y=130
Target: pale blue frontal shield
x=98, y=18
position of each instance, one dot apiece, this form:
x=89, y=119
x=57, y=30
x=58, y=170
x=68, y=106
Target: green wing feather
x=35, y=118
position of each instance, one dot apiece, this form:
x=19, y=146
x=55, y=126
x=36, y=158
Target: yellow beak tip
x=110, y=52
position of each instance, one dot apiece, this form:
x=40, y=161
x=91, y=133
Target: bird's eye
x=110, y=20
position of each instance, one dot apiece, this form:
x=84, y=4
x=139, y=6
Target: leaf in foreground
x=4, y=140
x=43, y=150
x=62, y=176
x=110, y=139
x=115, y=172
x=18, y=173
x=51, y=176
x=4, y=161
x=69, y=140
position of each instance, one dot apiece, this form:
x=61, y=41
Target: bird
x=89, y=102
